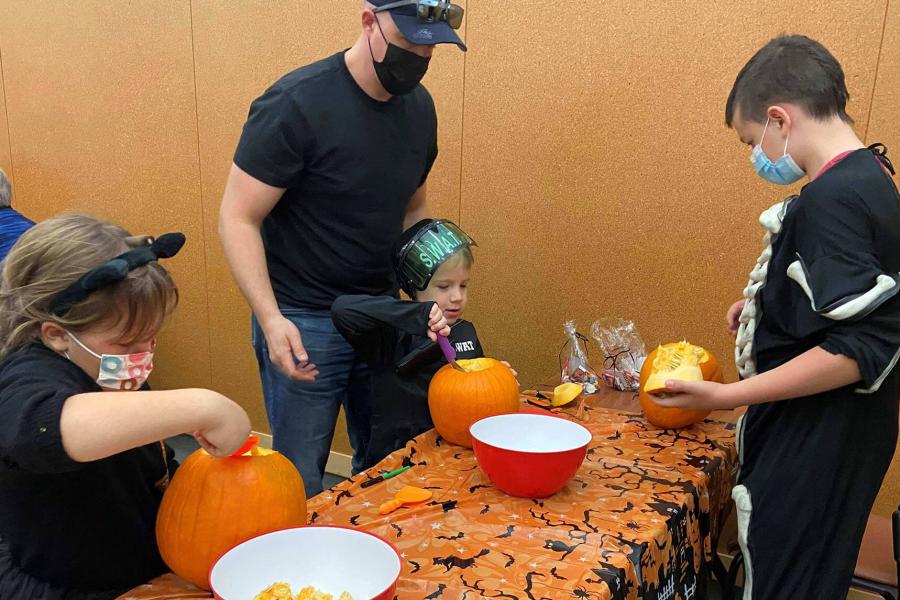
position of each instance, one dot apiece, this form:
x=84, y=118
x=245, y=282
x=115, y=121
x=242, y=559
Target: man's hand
x=286, y=349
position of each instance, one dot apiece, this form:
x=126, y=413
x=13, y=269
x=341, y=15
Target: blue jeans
x=303, y=414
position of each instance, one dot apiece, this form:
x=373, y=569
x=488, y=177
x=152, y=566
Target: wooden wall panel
x=240, y=49
x=598, y=175
x=884, y=127
x=5, y=161
x=102, y=120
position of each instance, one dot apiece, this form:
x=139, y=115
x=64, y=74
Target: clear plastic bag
x=623, y=352
x=573, y=360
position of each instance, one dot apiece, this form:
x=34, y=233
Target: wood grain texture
x=102, y=121
x=599, y=178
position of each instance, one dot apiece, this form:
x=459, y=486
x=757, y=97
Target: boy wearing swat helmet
x=433, y=261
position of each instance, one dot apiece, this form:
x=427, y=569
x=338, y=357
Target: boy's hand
x=437, y=323
x=734, y=313
x=227, y=426
x=696, y=395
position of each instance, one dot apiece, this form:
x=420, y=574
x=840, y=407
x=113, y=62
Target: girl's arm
x=100, y=424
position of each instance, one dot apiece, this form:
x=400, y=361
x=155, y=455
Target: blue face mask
x=784, y=171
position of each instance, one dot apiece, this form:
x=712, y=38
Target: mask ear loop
x=786, y=141
x=765, y=129
x=85, y=348
x=381, y=31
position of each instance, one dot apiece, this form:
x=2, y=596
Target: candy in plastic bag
x=574, y=365
x=623, y=352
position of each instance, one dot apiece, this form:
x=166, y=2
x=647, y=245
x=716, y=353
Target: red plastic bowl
x=333, y=559
x=530, y=456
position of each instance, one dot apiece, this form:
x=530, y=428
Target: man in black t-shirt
x=330, y=168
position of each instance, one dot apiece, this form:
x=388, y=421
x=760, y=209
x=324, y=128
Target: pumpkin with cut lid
x=680, y=361
x=457, y=399
x=213, y=504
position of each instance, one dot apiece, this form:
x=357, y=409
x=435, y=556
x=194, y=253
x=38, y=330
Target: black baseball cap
x=418, y=31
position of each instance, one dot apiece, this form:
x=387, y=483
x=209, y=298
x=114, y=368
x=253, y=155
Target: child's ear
x=54, y=336
x=779, y=117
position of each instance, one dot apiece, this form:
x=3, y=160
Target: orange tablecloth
x=640, y=516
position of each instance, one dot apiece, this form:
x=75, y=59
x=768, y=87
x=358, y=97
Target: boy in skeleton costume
x=817, y=333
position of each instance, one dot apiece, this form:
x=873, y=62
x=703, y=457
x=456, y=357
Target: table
x=641, y=516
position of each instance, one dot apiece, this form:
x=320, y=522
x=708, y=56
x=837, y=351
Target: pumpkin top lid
x=680, y=360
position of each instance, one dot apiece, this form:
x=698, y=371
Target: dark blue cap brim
x=426, y=34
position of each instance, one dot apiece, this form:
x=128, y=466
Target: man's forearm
x=246, y=256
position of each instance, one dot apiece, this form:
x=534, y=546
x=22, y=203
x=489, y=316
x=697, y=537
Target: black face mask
x=401, y=70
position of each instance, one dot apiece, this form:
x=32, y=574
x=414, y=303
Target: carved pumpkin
x=213, y=504
x=458, y=399
x=681, y=361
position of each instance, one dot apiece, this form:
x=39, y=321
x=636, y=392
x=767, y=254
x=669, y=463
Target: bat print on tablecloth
x=407, y=460
x=509, y=531
x=437, y=593
x=446, y=506
x=455, y=562
x=557, y=546
x=458, y=536
x=618, y=472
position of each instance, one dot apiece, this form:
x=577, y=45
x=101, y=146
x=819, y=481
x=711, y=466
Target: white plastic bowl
x=526, y=432
x=332, y=559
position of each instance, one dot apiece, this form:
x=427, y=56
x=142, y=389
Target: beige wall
x=583, y=148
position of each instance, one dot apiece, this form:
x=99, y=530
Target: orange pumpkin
x=459, y=399
x=213, y=504
x=675, y=358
